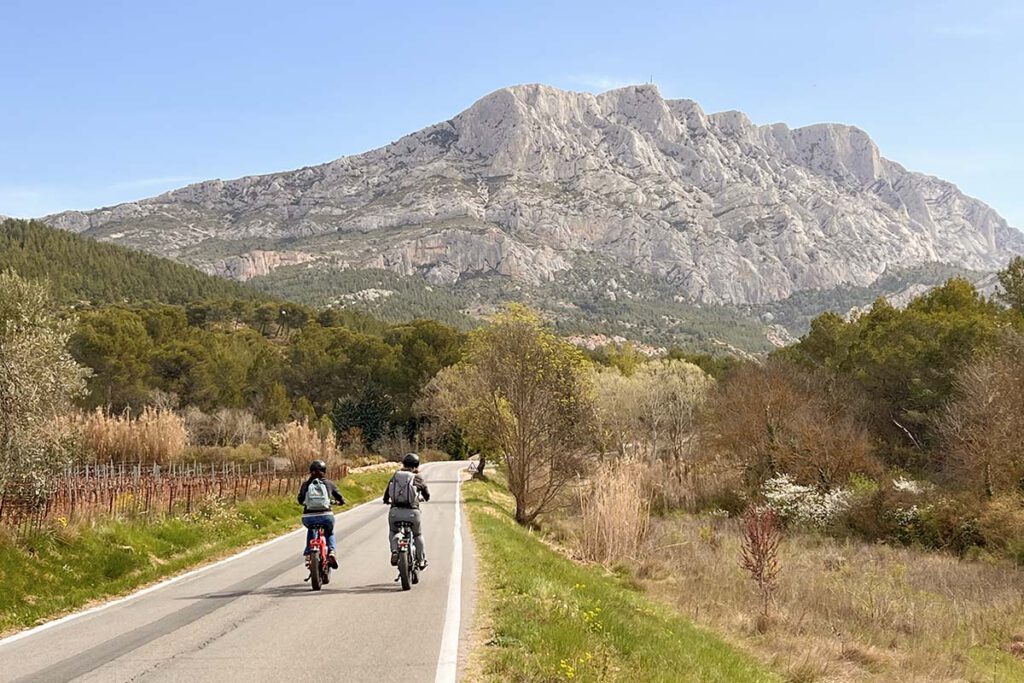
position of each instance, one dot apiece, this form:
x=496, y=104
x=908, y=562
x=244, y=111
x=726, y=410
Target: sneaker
x=394, y=559
x=332, y=560
x=423, y=564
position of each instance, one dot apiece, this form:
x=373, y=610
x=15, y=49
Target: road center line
x=448, y=659
x=162, y=584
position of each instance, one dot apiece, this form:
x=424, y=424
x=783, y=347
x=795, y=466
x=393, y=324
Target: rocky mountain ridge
x=530, y=179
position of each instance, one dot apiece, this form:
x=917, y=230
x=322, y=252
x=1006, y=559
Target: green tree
x=1011, y=280
x=38, y=381
x=114, y=344
x=371, y=411
x=273, y=407
x=526, y=392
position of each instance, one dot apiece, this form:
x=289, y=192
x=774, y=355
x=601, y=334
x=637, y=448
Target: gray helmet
x=411, y=461
x=318, y=466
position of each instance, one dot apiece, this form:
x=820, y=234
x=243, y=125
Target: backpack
x=318, y=498
x=402, y=489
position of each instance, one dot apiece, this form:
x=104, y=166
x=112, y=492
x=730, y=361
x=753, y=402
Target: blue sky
x=103, y=102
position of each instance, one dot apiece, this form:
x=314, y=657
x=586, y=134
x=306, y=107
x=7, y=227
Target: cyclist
x=403, y=493
x=316, y=507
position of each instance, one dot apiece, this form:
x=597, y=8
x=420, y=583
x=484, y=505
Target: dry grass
x=615, y=513
x=846, y=611
x=154, y=436
x=299, y=444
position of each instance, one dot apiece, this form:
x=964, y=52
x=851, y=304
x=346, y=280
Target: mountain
x=575, y=199
x=80, y=269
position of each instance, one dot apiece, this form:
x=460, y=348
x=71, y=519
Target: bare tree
x=982, y=429
x=524, y=392
x=779, y=418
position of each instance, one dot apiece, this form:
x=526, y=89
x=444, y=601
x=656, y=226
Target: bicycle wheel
x=314, y=570
x=405, y=569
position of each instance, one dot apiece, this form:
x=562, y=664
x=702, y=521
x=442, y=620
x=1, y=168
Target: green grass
x=55, y=572
x=552, y=619
x=990, y=664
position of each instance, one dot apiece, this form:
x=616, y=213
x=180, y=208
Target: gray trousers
x=412, y=516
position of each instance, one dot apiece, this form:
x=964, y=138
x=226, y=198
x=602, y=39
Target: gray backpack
x=402, y=489
x=318, y=498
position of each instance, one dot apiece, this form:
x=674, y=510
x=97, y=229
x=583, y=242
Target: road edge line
x=448, y=658
x=163, y=584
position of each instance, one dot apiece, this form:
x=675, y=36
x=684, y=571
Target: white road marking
x=448, y=659
x=158, y=586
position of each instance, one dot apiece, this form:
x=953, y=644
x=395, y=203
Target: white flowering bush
x=805, y=504
x=908, y=485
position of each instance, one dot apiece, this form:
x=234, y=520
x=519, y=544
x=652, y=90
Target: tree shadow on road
x=272, y=591
x=370, y=588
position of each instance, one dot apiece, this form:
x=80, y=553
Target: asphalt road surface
x=253, y=617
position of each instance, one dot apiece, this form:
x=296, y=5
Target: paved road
x=253, y=618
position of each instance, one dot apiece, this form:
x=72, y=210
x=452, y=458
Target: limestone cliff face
x=531, y=177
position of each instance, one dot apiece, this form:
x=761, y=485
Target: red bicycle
x=319, y=566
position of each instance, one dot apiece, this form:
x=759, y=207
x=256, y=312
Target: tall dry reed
x=615, y=512
x=299, y=444
x=154, y=436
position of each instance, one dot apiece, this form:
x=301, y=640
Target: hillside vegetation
x=84, y=270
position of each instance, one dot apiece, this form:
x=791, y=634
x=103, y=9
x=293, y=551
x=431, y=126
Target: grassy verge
x=551, y=619
x=59, y=571
x=845, y=609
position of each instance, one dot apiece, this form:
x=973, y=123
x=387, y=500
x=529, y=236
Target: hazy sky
x=103, y=102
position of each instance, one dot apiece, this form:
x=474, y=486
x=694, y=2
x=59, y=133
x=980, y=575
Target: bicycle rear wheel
x=405, y=569
x=314, y=570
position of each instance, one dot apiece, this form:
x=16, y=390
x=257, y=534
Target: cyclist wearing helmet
x=321, y=515
x=403, y=493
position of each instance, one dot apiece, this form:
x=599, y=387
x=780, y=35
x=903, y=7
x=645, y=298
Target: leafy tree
x=38, y=381
x=1011, y=280
x=371, y=412
x=526, y=391
x=904, y=362
x=273, y=407
x=115, y=345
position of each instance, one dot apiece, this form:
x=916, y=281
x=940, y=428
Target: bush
x=1001, y=524
x=244, y=454
x=226, y=427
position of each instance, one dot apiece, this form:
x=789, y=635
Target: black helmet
x=318, y=466
x=411, y=461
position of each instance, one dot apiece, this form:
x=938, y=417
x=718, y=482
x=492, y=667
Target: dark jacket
x=332, y=489
x=421, y=487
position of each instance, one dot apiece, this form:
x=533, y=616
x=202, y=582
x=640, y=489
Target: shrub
x=226, y=427
x=1001, y=524
x=759, y=552
x=805, y=504
x=243, y=454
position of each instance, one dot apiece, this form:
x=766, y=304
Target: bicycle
x=317, y=560
x=408, y=570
